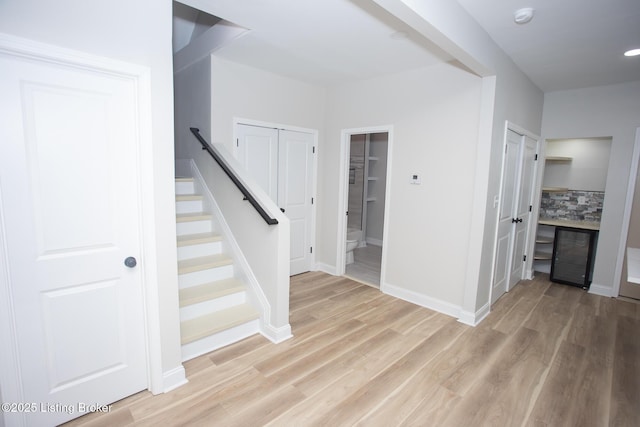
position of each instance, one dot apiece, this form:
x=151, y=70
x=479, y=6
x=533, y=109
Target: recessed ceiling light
x=632, y=52
x=524, y=15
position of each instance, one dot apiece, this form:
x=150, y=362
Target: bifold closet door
x=281, y=162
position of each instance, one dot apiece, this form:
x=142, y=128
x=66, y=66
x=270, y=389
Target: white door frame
x=533, y=222
x=343, y=197
x=10, y=377
x=242, y=121
x=626, y=216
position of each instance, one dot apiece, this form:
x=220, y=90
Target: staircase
x=214, y=311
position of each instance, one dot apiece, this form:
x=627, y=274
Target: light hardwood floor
x=547, y=355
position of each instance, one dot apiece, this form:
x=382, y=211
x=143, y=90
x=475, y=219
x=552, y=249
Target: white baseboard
x=276, y=335
x=474, y=319
x=173, y=379
x=605, y=291
x=326, y=268
x=373, y=241
x=422, y=300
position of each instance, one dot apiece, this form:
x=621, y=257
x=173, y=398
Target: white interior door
x=524, y=198
x=281, y=162
x=257, y=151
x=516, y=196
x=295, y=179
x=505, y=236
x=69, y=204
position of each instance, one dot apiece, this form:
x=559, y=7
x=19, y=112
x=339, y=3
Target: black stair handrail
x=245, y=192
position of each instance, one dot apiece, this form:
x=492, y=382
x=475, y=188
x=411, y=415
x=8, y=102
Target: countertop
x=585, y=225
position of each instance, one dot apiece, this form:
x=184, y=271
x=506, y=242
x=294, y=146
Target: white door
x=295, y=178
x=281, y=162
x=257, y=149
x=69, y=202
x=505, y=217
x=523, y=207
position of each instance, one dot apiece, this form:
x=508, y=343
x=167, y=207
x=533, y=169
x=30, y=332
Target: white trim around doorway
x=626, y=218
x=343, y=194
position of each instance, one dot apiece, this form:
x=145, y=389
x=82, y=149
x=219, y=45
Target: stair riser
x=187, y=206
x=216, y=304
x=193, y=227
x=195, y=251
x=199, y=277
x=219, y=340
x=185, y=187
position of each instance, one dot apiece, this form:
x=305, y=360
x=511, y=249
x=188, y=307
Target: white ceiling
x=569, y=43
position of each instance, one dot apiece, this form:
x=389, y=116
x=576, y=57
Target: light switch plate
x=415, y=179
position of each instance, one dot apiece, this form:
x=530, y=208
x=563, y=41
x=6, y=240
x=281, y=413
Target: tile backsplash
x=572, y=205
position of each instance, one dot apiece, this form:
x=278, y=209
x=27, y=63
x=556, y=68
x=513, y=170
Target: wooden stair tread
x=198, y=238
x=209, y=291
x=188, y=197
x=203, y=263
x=203, y=326
x=195, y=216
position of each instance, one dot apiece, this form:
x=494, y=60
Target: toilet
x=353, y=240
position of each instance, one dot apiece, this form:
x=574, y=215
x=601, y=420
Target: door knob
x=282, y=209
x=130, y=262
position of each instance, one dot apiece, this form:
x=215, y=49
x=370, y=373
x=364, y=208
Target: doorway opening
x=572, y=195
x=366, y=166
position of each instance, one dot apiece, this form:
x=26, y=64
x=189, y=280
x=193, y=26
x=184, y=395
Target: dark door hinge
x=312, y=200
x=311, y=249
x=314, y=150
x=237, y=142
x=536, y=159
x=530, y=207
x=524, y=258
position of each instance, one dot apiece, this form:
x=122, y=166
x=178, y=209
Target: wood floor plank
x=502, y=396
x=547, y=354
x=625, y=391
x=363, y=400
x=559, y=393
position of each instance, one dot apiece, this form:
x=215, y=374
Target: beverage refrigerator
x=573, y=255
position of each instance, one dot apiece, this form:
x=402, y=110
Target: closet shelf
x=558, y=159
x=372, y=178
x=373, y=158
x=371, y=199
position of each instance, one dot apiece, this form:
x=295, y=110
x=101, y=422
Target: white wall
x=435, y=113
x=137, y=32
x=249, y=93
x=587, y=169
x=601, y=111
x=192, y=107
x=507, y=94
